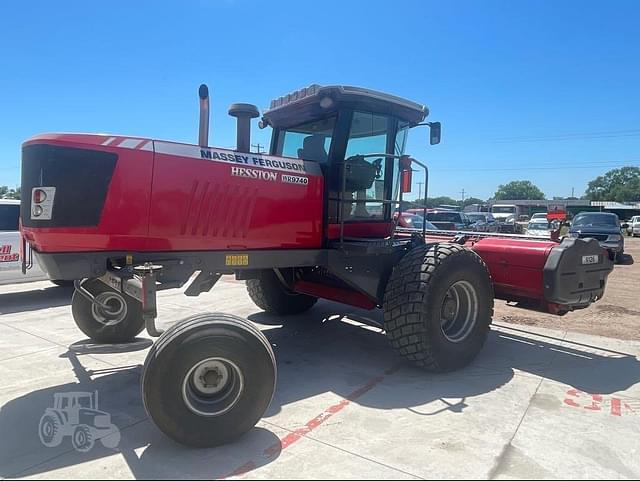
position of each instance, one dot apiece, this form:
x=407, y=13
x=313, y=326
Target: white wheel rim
x=459, y=311
x=116, y=313
x=212, y=387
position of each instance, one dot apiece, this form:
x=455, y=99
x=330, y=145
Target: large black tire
x=438, y=306
x=209, y=379
x=94, y=323
x=270, y=295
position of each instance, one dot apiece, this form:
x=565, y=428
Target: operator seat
x=313, y=149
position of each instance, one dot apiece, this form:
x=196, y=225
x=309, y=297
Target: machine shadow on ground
x=318, y=353
x=35, y=300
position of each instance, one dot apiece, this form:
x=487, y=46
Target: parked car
x=539, y=216
x=482, y=221
x=634, y=226
x=603, y=226
x=539, y=228
x=459, y=220
x=10, y=260
x=414, y=221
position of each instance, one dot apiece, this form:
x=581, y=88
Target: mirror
x=436, y=132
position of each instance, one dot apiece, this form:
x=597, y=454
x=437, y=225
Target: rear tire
x=209, y=379
x=270, y=295
x=121, y=325
x=438, y=306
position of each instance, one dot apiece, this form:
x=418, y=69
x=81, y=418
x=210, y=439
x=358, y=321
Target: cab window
x=310, y=141
x=9, y=215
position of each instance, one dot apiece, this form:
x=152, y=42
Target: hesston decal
x=7, y=256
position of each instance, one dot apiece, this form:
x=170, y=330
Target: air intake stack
x=244, y=113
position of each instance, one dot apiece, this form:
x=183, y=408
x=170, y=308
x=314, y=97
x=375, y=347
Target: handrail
x=401, y=202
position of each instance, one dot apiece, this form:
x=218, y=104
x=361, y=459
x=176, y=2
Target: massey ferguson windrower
x=315, y=218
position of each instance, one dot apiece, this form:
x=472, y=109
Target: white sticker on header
x=230, y=156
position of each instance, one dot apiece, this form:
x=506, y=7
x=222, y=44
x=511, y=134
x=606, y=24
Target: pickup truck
x=10, y=260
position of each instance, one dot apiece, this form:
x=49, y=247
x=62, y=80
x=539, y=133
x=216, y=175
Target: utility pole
x=462, y=192
x=258, y=147
x=420, y=184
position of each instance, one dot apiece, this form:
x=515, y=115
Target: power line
x=575, y=136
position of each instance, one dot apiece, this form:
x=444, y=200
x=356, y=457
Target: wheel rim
x=114, y=313
x=459, y=311
x=212, y=387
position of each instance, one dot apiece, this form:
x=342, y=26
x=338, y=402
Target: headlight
x=615, y=238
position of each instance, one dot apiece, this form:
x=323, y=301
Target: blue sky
x=542, y=90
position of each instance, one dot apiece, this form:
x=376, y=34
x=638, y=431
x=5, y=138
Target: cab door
x=364, y=186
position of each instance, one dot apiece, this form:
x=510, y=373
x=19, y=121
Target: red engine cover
x=166, y=196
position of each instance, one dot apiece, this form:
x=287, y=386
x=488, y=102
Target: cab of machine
x=337, y=125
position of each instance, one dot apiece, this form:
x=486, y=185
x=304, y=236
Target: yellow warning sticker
x=237, y=260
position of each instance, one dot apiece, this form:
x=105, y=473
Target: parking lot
x=546, y=398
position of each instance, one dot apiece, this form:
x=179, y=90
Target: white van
x=634, y=226
x=10, y=260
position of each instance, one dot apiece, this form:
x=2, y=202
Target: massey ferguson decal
x=228, y=156
x=7, y=256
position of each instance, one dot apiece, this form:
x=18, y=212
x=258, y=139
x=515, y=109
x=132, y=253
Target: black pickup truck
x=602, y=226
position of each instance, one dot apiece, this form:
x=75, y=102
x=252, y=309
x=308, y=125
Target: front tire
x=121, y=324
x=209, y=379
x=438, y=306
x=270, y=295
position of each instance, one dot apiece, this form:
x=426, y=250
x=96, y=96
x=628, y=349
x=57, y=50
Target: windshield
x=477, y=217
x=445, y=217
x=370, y=134
x=586, y=220
x=539, y=226
x=9, y=215
x=503, y=210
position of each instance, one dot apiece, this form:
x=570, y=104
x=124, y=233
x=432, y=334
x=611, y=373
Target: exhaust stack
x=244, y=113
x=203, y=133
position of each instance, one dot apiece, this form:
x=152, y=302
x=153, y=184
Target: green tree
x=436, y=201
x=519, y=190
x=619, y=185
x=471, y=200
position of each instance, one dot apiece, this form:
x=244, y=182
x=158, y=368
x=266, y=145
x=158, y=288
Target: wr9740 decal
x=295, y=179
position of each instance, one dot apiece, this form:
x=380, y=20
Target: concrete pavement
x=536, y=403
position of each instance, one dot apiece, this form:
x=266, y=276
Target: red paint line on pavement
x=313, y=424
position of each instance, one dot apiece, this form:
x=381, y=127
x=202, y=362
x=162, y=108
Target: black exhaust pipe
x=244, y=113
x=203, y=133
